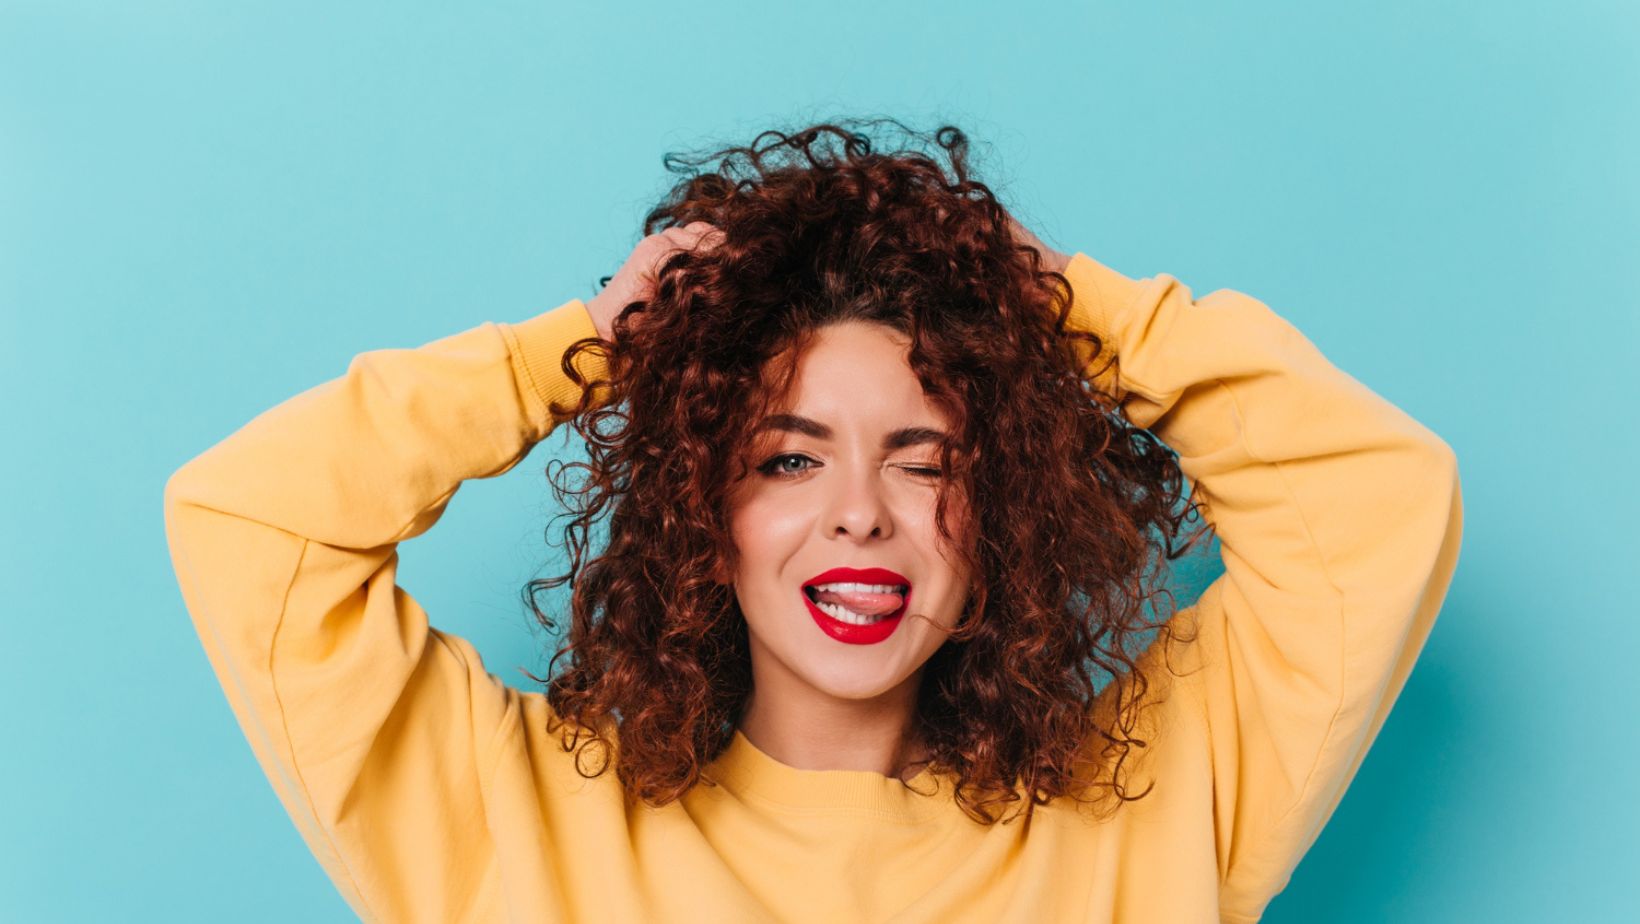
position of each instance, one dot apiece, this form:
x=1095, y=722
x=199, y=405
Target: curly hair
x=1070, y=503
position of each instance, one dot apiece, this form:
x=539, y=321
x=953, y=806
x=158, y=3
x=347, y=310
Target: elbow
x=176, y=489
x=1440, y=462
x=181, y=491
x=1446, y=464
x=1433, y=499
x=1447, y=482
x=173, y=498
x=171, y=492
x=1449, y=472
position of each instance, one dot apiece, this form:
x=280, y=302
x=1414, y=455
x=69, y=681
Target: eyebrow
x=898, y=439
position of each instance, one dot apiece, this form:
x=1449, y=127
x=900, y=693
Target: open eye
x=774, y=468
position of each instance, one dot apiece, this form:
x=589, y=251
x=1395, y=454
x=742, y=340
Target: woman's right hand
x=636, y=278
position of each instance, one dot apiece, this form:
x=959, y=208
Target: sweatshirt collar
x=750, y=775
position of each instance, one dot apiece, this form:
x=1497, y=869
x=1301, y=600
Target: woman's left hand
x=1051, y=258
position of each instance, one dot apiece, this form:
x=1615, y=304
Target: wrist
x=601, y=322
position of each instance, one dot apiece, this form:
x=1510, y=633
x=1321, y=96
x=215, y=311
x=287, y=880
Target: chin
x=852, y=681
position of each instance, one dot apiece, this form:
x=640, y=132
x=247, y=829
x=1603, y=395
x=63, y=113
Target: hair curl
x=1069, y=500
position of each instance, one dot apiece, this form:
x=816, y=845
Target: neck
x=806, y=729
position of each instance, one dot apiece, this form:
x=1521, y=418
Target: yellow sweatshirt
x=430, y=791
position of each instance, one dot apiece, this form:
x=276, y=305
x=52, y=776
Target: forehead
x=858, y=369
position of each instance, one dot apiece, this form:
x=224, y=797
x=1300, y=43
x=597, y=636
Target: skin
x=810, y=504
x=817, y=703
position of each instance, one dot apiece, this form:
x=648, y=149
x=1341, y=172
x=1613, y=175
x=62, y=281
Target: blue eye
x=772, y=466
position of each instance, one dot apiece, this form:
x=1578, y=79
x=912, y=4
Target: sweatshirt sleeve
x=1339, y=520
x=375, y=730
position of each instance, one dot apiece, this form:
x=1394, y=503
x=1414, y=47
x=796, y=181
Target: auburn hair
x=1072, y=507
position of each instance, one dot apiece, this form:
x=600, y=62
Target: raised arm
x=1339, y=518
x=374, y=729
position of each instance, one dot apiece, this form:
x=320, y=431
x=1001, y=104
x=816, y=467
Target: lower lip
x=853, y=634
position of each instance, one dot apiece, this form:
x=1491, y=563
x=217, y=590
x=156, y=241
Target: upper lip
x=860, y=576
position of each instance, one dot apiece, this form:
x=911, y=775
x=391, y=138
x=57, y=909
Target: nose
x=857, y=507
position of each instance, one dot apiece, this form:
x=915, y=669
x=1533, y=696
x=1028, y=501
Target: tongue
x=863, y=603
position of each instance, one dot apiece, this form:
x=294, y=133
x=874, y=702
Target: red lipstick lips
x=849, y=632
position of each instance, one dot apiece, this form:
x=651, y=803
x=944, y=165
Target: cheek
x=774, y=513
x=765, y=533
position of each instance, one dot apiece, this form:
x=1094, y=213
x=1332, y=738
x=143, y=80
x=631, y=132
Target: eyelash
x=770, y=467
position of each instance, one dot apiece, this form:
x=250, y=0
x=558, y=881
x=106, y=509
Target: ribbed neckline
x=752, y=775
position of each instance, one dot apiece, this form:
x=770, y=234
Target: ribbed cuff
x=538, y=346
x=1101, y=295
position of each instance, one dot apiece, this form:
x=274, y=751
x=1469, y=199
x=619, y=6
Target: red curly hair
x=1070, y=504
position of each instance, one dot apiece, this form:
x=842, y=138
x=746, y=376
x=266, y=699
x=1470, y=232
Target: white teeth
x=852, y=588
x=844, y=614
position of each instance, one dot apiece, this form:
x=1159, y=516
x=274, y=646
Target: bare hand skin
x=1051, y=259
x=636, y=278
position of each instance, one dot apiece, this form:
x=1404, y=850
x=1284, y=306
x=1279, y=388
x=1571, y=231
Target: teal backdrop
x=206, y=208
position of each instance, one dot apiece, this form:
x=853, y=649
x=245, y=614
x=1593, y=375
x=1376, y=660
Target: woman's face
x=845, y=476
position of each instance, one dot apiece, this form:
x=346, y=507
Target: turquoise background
x=206, y=208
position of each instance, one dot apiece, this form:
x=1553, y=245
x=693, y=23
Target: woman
x=887, y=481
